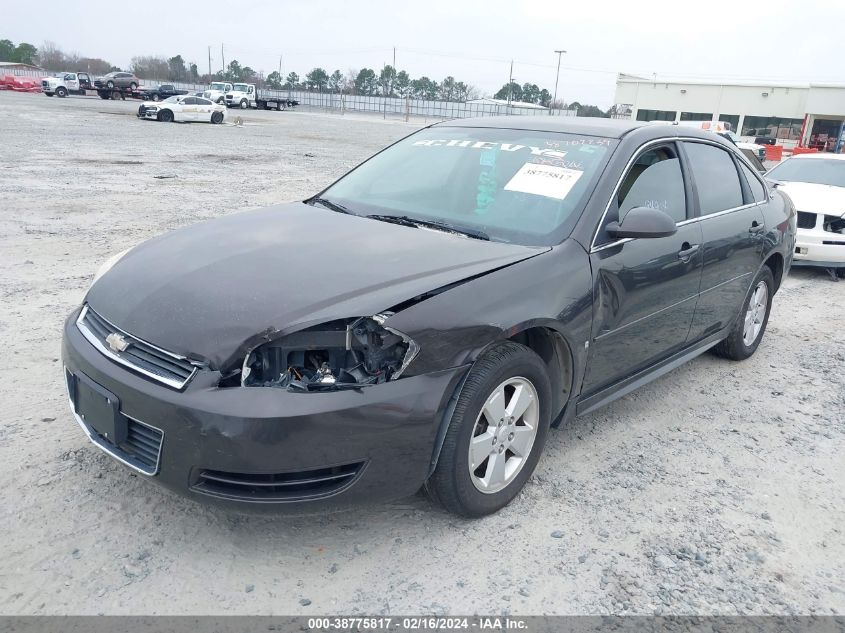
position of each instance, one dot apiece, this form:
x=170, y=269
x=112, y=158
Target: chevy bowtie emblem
x=117, y=342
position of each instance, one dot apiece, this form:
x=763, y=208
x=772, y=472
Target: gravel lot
x=718, y=489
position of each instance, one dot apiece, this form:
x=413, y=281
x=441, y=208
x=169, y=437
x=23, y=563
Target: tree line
x=366, y=81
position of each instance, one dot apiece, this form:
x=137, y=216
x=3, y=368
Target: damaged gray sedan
x=424, y=321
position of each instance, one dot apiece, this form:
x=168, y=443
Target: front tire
x=110, y=84
x=61, y=92
x=750, y=326
x=156, y=97
x=165, y=116
x=496, y=434
x=244, y=104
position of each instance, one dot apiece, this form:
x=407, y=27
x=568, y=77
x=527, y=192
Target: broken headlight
x=346, y=354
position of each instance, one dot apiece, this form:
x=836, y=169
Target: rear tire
x=217, y=117
x=750, y=325
x=156, y=97
x=165, y=116
x=465, y=481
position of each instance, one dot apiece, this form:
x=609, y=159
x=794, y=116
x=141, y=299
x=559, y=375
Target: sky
x=472, y=40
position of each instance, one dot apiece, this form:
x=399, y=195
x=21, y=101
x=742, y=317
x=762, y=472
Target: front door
x=732, y=225
x=189, y=109
x=644, y=290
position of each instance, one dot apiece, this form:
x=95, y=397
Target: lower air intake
x=282, y=487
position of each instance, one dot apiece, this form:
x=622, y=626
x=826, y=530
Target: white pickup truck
x=217, y=91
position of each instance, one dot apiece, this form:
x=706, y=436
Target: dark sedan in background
x=425, y=320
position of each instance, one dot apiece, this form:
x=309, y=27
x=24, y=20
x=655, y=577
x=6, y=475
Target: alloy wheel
x=755, y=314
x=503, y=435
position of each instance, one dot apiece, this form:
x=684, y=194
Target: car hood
x=216, y=289
x=815, y=198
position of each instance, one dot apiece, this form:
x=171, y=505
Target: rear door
x=204, y=108
x=728, y=207
x=644, y=290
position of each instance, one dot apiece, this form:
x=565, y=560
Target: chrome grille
x=147, y=359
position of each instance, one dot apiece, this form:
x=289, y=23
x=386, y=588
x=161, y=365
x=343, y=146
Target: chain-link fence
x=387, y=107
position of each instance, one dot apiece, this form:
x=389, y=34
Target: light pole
x=557, y=78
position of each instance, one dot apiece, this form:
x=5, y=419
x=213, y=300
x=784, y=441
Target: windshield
x=820, y=171
x=217, y=86
x=516, y=186
x=241, y=87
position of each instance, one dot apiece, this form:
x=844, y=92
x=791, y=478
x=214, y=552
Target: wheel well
x=775, y=263
x=552, y=348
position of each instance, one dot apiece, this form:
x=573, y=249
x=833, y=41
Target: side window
x=189, y=101
x=201, y=101
x=715, y=177
x=757, y=190
x=654, y=180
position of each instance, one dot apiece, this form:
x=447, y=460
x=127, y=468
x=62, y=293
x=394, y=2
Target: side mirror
x=643, y=222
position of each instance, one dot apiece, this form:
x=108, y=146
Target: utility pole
x=394, y=58
x=510, y=85
x=209, y=63
x=557, y=78
x=223, y=57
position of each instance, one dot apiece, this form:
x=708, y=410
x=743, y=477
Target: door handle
x=687, y=251
x=756, y=228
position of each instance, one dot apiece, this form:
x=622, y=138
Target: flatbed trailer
x=81, y=84
x=264, y=101
x=249, y=96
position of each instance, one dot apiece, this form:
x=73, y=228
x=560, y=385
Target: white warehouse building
x=807, y=115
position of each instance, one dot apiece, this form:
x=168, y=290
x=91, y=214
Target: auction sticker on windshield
x=544, y=180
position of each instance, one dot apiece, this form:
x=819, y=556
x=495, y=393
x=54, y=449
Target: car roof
x=821, y=155
x=590, y=126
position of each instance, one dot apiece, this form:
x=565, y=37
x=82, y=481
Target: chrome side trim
x=719, y=285
x=91, y=337
x=637, y=154
x=718, y=213
x=105, y=448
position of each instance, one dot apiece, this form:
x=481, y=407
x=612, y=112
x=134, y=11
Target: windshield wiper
x=405, y=220
x=334, y=206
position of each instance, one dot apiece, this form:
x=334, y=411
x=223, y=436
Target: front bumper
x=379, y=439
x=816, y=247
